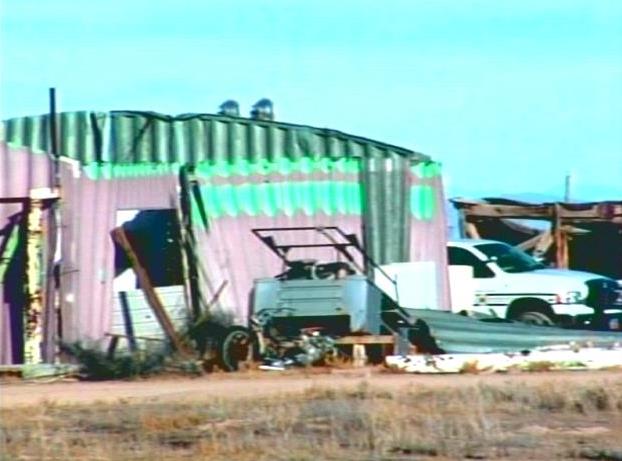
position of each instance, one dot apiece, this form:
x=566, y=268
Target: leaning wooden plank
x=118, y=235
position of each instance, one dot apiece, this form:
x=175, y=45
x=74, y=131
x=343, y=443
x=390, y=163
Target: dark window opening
x=155, y=237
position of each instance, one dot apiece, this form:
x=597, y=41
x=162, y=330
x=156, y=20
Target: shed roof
x=135, y=137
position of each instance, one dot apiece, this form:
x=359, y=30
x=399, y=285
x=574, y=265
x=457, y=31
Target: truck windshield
x=508, y=258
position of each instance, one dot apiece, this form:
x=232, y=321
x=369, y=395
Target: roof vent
x=263, y=110
x=230, y=108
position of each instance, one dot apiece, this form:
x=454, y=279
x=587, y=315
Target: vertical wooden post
x=33, y=321
x=359, y=355
x=189, y=242
x=560, y=238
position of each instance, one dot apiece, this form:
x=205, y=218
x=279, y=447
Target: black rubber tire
x=535, y=318
x=236, y=346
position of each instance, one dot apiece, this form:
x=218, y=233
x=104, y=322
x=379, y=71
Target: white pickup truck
x=510, y=284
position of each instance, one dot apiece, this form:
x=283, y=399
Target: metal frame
x=350, y=241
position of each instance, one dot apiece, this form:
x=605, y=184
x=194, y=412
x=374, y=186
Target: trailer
x=313, y=302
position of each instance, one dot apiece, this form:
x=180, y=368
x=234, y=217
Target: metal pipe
x=54, y=138
x=52, y=329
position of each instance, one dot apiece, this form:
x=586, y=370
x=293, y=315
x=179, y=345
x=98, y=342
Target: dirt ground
x=363, y=414
x=257, y=384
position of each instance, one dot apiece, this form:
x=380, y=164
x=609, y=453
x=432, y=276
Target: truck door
x=487, y=295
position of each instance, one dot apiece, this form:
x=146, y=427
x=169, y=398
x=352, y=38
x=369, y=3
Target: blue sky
x=509, y=95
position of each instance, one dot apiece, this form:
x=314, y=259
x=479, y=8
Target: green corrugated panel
x=387, y=205
x=139, y=137
x=81, y=134
x=281, y=198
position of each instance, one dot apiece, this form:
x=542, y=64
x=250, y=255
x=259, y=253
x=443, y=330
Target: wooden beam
x=471, y=231
x=118, y=235
x=189, y=243
x=544, y=243
x=568, y=213
x=560, y=238
x=365, y=339
x=486, y=210
x=531, y=242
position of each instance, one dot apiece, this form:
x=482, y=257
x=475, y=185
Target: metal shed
x=251, y=173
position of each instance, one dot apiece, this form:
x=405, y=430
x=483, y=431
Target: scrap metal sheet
x=459, y=334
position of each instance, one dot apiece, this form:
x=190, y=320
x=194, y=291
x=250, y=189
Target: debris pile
x=562, y=357
x=310, y=348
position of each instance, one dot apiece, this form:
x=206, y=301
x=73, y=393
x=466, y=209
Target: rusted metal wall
x=20, y=171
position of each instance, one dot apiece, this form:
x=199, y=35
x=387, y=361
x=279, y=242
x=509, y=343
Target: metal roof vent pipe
x=230, y=108
x=263, y=110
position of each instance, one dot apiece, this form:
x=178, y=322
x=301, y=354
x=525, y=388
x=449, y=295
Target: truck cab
x=510, y=284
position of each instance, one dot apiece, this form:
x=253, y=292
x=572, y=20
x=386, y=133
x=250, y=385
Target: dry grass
x=508, y=421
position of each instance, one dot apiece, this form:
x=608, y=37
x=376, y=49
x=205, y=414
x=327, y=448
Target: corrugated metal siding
x=386, y=207
x=129, y=143
x=80, y=137
x=21, y=171
x=292, y=200
x=458, y=334
x=89, y=214
x=130, y=160
x=127, y=137
x=428, y=230
x=144, y=323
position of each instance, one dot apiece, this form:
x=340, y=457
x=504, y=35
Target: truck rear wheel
x=535, y=318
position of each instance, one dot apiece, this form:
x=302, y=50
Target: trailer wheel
x=235, y=347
